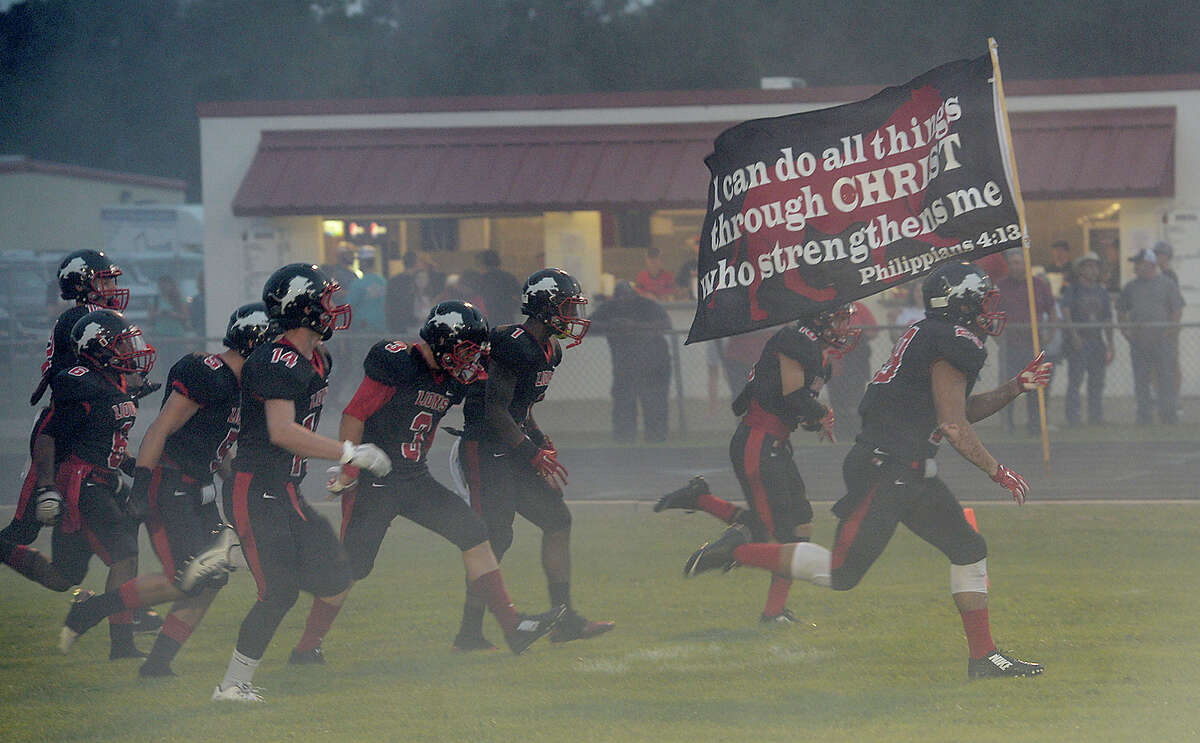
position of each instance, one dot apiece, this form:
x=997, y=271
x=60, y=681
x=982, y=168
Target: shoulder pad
x=512, y=346
x=389, y=362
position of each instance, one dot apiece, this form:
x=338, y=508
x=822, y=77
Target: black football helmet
x=300, y=295
x=249, y=327
x=105, y=340
x=457, y=333
x=964, y=294
x=834, y=330
x=553, y=296
x=89, y=276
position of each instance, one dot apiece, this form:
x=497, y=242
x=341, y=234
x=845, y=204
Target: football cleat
x=783, y=618
x=146, y=620
x=718, y=554
x=154, y=670
x=531, y=627
x=467, y=643
x=998, y=664
x=210, y=565
x=73, y=625
x=577, y=627
x=242, y=692
x=685, y=497
x=314, y=657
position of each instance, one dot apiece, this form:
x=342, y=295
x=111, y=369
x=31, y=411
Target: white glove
x=366, y=456
x=48, y=505
x=340, y=479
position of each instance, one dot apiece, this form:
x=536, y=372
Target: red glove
x=1036, y=373
x=827, y=428
x=1017, y=485
x=547, y=465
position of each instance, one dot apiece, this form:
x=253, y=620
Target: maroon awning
x=1095, y=154
x=1060, y=155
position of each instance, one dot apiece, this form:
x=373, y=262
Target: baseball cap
x=1143, y=255
x=1088, y=256
x=1164, y=248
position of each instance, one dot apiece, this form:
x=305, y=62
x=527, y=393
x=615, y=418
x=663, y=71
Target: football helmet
x=457, y=333
x=89, y=276
x=300, y=295
x=965, y=295
x=105, y=340
x=249, y=327
x=833, y=327
x=553, y=296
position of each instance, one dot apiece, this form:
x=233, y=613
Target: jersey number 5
x=421, y=423
x=892, y=365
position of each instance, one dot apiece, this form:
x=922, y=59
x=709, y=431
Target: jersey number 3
x=421, y=423
x=892, y=365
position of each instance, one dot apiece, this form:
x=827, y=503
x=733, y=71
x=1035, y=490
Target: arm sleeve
x=370, y=397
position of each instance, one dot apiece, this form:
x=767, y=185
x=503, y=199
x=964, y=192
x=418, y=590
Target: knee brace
x=969, y=578
x=812, y=563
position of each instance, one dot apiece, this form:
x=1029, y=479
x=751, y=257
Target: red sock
x=722, y=509
x=777, y=595
x=979, y=632
x=761, y=555
x=176, y=629
x=129, y=594
x=320, y=619
x=490, y=585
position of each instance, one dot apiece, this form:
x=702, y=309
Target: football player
x=920, y=396
x=509, y=465
x=77, y=452
x=780, y=395
x=404, y=395
x=288, y=546
x=189, y=441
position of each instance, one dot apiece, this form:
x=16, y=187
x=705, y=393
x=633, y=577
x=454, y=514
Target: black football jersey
x=405, y=423
x=279, y=372
x=200, y=444
x=533, y=364
x=765, y=385
x=897, y=410
x=60, y=349
x=90, y=417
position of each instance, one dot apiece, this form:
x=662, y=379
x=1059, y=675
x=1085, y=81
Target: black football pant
x=771, y=483
x=882, y=492
x=179, y=525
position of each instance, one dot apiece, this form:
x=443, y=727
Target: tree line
x=114, y=83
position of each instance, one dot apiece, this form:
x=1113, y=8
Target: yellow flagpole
x=1020, y=202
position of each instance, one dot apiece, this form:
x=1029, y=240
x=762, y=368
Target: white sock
x=241, y=670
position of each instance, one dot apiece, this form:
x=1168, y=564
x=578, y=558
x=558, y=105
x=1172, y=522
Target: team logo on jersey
x=961, y=332
x=543, y=378
x=432, y=400
x=78, y=371
x=124, y=409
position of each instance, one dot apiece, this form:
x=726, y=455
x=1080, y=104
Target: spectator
x=641, y=364
x=655, y=282
x=343, y=270
x=851, y=371
x=401, y=301
x=1016, y=346
x=429, y=283
x=1089, y=349
x=1163, y=253
x=196, y=308
x=367, y=295
x=1060, y=268
x=907, y=306
x=499, y=290
x=1151, y=298
x=687, y=278
x=463, y=287
x=1110, y=266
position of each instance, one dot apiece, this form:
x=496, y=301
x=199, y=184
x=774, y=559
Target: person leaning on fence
x=641, y=364
x=1087, y=311
x=1149, y=310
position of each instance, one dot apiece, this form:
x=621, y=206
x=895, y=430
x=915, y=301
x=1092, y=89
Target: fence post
x=677, y=366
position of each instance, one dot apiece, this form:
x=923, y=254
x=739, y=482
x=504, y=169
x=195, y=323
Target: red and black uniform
x=760, y=450
x=181, y=518
x=503, y=483
x=90, y=417
x=60, y=355
x=400, y=402
x=288, y=546
x=890, y=472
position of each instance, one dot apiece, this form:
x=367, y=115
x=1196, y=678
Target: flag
x=814, y=210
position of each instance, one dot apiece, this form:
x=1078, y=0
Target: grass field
x=1105, y=595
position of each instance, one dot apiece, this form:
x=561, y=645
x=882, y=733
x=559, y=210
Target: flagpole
x=1020, y=202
